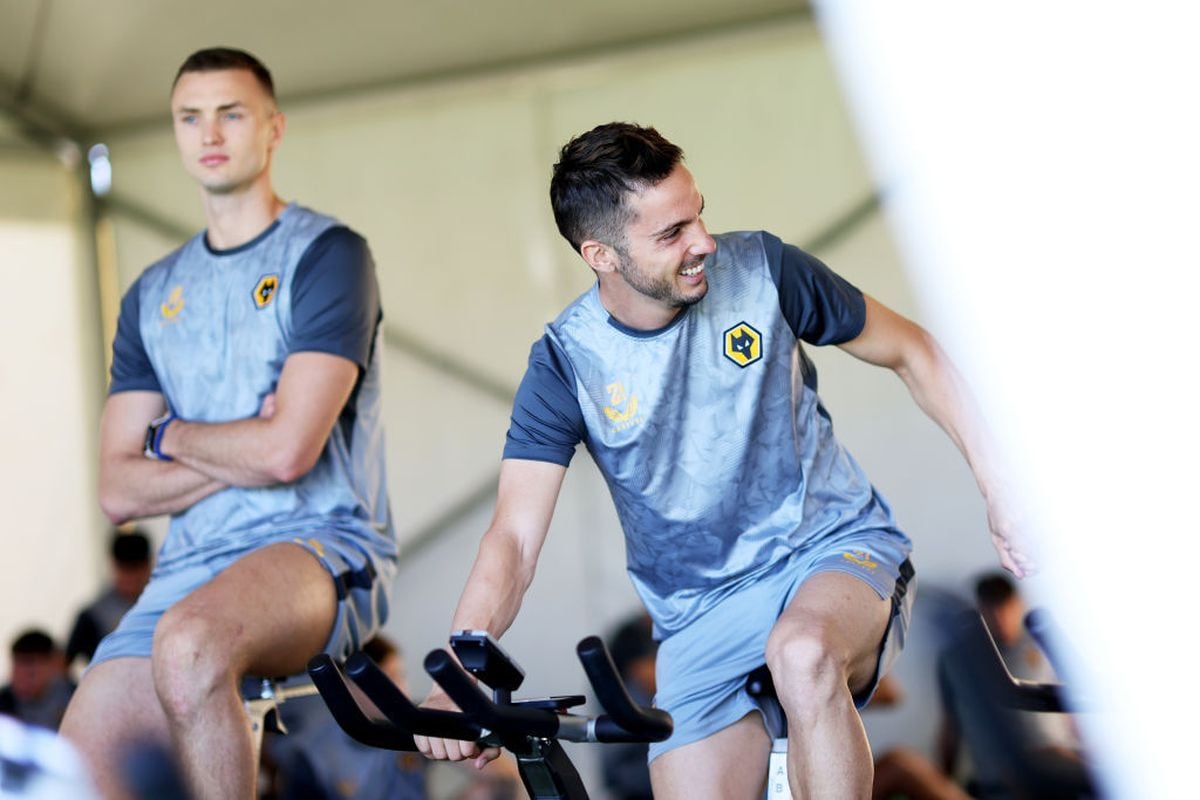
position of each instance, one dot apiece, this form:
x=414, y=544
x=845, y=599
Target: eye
x=233, y=116
x=188, y=119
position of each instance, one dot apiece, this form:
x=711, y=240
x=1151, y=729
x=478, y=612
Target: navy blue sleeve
x=820, y=306
x=546, y=421
x=945, y=691
x=131, y=367
x=335, y=298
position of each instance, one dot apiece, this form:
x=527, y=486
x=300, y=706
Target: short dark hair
x=595, y=173
x=994, y=589
x=633, y=640
x=129, y=548
x=378, y=648
x=214, y=59
x=33, y=642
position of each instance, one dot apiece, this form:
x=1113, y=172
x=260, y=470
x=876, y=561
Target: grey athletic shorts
x=701, y=669
x=360, y=577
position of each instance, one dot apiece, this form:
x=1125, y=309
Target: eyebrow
x=674, y=225
x=220, y=108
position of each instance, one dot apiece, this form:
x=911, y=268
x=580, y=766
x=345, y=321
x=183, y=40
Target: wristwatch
x=152, y=446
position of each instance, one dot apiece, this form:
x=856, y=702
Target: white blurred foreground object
x=1042, y=167
x=39, y=765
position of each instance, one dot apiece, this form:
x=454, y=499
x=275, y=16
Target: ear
x=278, y=126
x=599, y=256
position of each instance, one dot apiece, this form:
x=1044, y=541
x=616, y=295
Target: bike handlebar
x=475, y=705
x=652, y=723
x=388, y=698
x=480, y=717
x=362, y=726
x=1012, y=692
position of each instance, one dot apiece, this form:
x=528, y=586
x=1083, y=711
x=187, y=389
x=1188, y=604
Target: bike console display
x=483, y=657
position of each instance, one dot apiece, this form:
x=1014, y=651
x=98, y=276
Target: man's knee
x=809, y=662
x=192, y=659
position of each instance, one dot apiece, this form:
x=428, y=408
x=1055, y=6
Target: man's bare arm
x=281, y=444
x=132, y=486
x=502, y=573
x=892, y=341
x=509, y=550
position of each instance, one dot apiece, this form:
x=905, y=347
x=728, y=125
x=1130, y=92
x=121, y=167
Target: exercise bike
x=530, y=729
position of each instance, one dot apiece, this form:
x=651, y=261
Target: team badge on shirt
x=265, y=290
x=743, y=344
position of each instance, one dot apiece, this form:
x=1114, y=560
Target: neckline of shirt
x=636, y=333
x=212, y=251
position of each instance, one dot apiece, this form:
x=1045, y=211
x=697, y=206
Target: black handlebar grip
x=506, y=719
x=990, y=669
x=400, y=710
x=607, y=730
x=1041, y=627
x=646, y=724
x=1046, y=633
x=349, y=715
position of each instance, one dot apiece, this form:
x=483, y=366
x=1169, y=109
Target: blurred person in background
x=130, y=565
x=1053, y=736
x=38, y=689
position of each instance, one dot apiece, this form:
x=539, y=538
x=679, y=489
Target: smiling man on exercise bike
x=751, y=534
x=245, y=402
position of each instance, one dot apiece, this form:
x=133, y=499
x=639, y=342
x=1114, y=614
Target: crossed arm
x=279, y=445
x=889, y=340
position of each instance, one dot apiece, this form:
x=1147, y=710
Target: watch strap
x=152, y=446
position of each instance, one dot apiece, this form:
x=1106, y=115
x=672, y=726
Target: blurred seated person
x=38, y=689
x=625, y=766
x=1046, y=734
x=130, y=564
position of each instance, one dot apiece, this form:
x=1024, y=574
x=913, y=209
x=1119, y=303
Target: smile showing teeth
x=692, y=271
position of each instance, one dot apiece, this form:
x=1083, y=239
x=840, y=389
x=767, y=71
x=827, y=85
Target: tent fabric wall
x=49, y=384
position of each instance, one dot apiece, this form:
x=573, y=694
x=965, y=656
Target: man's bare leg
x=823, y=648
x=729, y=765
x=114, y=706
x=267, y=614
x=907, y=772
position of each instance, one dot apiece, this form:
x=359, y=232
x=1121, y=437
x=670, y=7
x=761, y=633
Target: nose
x=703, y=244
x=211, y=132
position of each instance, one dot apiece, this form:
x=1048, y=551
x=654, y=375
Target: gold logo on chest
x=621, y=418
x=174, y=304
